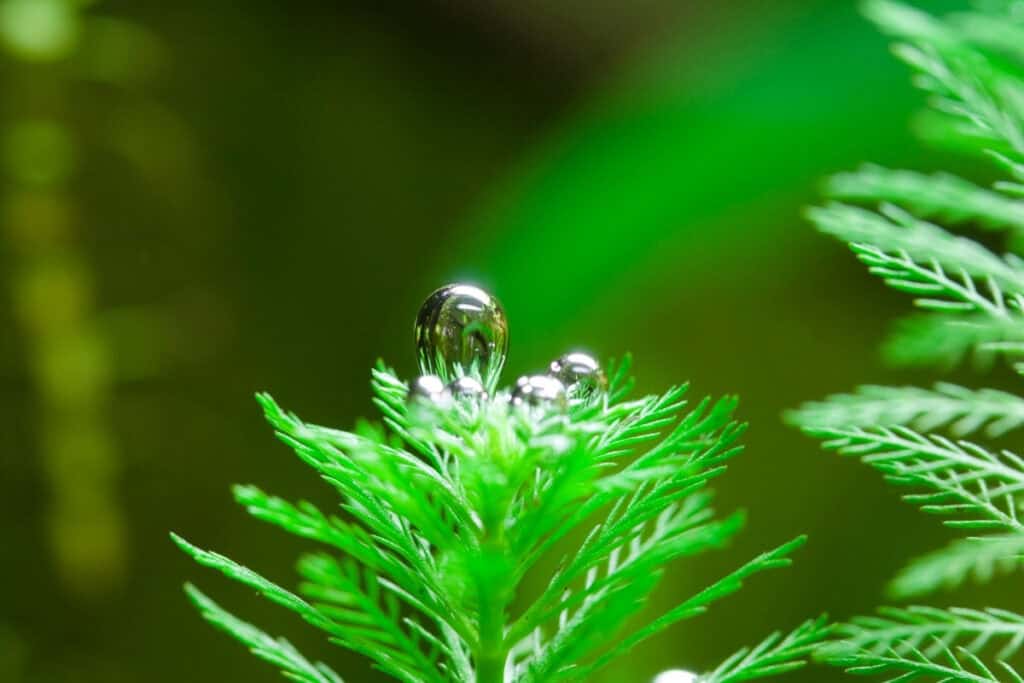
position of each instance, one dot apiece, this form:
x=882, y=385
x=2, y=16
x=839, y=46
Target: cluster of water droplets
x=462, y=334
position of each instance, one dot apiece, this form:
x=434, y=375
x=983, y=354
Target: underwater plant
x=928, y=440
x=465, y=487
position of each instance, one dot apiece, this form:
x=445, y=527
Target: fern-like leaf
x=699, y=603
x=931, y=631
x=963, y=411
x=977, y=558
x=774, y=655
x=974, y=487
x=948, y=665
x=971, y=65
x=448, y=505
x=910, y=242
x=277, y=651
x=966, y=85
x=939, y=195
x=946, y=340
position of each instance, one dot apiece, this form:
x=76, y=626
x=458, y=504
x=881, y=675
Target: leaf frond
x=938, y=195
x=960, y=410
x=977, y=558
x=774, y=655
x=699, y=603
x=446, y=505
x=971, y=486
x=277, y=651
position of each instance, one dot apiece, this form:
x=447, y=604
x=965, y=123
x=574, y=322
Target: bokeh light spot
x=38, y=30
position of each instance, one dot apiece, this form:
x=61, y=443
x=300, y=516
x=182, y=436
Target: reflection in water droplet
x=426, y=388
x=465, y=387
x=538, y=390
x=581, y=374
x=461, y=329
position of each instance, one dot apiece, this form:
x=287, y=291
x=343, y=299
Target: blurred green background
x=202, y=200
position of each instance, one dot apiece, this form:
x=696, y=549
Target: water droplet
x=675, y=676
x=465, y=387
x=581, y=374
x=538, y=390
x=461, y=329
x=426, y=388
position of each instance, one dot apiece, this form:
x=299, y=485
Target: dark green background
x=623, y=176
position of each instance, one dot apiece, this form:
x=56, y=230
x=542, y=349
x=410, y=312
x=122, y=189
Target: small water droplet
x=538, y=390
x=465, y=388
x=581, y=374
x=675, y=676
x=461, y=329
x=426, y=388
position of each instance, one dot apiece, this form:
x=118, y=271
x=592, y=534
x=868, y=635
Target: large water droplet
x=538, y=390
x=581, y=374
x=460, y=330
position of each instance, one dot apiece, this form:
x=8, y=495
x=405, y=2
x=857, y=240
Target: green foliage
x=931, y=631
x=446, y=506
x=604, y=183
x=939, y=195
x=976, y=557
x=963, y=411
x=278, y=652
x=972, y=487
x=947, y=665
x=930, y=643
x=774, y=655
x=972, y=65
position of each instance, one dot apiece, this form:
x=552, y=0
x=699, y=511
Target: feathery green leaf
x=978, y=557
x=939, y=195
x=972, y=486
x=774, y=655
x=277, y=651
x=962, y=411
x=447, y=505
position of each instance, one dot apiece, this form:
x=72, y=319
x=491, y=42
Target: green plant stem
x=490, y=662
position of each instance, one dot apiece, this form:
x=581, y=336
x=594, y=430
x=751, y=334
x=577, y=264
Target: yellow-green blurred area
x=205, y=199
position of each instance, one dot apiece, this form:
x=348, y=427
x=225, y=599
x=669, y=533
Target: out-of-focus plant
x=466, y=488
x=54, y=291
x=59, y=54
x=681, y=151
x=972, y=65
